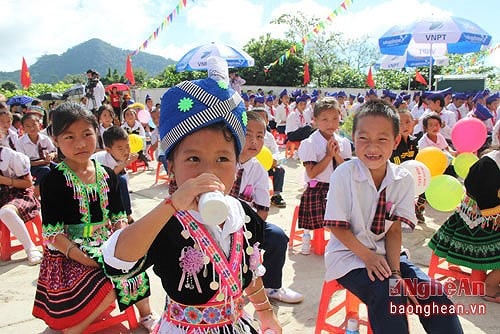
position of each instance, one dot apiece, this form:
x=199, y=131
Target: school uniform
x=298, y=125
x=10, y=139
x=106, y=159
x=355, y=203
x=252, y=186
x=313, y=200
x=17, y=165
x=138, y=129
x=278, y=172
x=36, y=151
x=441, y=142
x=449, y=119
x=281, y=114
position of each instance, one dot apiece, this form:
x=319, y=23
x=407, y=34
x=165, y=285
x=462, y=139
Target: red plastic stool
x=134, y=166
x=318, y=242
x=455, y=272
x=290, y=148
x=160, y=176
x=350, y=305
x=106, y=320
x=34, y=227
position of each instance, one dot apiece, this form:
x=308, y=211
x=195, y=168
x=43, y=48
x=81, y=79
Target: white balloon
x=420, y=173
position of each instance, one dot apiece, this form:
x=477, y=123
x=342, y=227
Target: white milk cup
x=213, y=208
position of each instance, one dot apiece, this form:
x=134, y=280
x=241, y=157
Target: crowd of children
x=95, y=251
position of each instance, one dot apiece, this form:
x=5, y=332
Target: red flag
x=129, y=74
x=369, y=79
x=25, y=75
x=307, y=78
x=420, y=78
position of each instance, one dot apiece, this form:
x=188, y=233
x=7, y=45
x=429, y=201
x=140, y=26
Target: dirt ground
x=301, y=273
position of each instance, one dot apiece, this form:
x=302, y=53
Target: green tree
x=8, y=85
x=265, y=51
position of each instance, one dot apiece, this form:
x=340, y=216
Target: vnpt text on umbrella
x=436, y=37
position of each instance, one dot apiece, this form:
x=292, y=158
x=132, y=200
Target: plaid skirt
x=23, y=199
x=312, y=206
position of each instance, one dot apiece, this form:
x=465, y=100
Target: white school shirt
x=419, y=113
x=26, y=146
x=314, y=149
x=449, y=118
x=106, y=159
x=353, y=198
x=10, y=137
x=280, y=114
x=293, y=122
x=155, y=137
x=270, y=143
x=424, y=142
x=256, y=178
x=13, y=164
x=136, y=128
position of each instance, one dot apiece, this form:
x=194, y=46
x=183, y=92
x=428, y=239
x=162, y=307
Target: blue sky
x=51, y=27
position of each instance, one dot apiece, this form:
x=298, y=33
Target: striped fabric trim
x=406, y=221
x=337, y=223
x=217, y=109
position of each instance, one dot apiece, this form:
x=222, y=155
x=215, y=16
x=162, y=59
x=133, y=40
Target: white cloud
x=51, y=27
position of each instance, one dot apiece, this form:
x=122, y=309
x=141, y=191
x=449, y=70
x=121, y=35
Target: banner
x=166, y=21
x=316, y=30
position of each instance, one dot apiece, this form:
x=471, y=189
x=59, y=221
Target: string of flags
x=319, y=27
x=166, y=21
x=473, y=61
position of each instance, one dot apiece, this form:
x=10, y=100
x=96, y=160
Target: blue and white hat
x=192, y=105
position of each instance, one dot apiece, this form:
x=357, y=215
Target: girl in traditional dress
x=81, y=207
x=471, y=236
x=204, y=268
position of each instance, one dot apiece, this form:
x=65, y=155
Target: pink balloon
x=144, y=116
x=468, y=134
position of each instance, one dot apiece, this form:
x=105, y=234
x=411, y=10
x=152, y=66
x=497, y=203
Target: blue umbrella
x=435, y=36
x=388, y=62
x=196, y=59
x=18, y=100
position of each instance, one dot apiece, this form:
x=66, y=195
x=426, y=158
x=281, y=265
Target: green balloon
x=444, y=193
x=463, y=162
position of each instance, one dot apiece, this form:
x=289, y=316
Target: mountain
x=95, y=54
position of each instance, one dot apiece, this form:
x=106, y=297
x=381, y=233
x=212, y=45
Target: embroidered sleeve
x=50, y=231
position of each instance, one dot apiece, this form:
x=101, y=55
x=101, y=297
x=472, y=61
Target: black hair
x=112, y=134
x=103, y=108
x=219, y=126
x=255, y=115
x=377, y=107
x=439, y=98
x=432, y=115
x=326, y=103
x=16, y=117
x=31, y=115
x=69, y=112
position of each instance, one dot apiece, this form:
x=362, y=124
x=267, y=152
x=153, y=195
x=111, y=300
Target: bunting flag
x=129, y=73
x=25, y=75
x=307, y=78
x=316, y=30
x=166, y=21
x=369, y=79
x=420, y=78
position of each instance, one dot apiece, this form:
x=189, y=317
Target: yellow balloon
x=135, y=142
x=434, y=159
x=265, y=158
